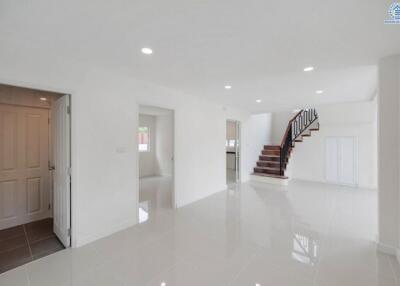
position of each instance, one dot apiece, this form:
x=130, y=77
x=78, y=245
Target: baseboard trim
x=85, y=239
x=387, y=249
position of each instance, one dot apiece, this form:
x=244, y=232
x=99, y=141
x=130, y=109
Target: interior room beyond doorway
x=156, y=160
x=232, y=151
x=34, y=177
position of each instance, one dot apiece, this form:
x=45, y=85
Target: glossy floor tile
x=25, y=243
x=155, y=194
x=230, y=176
x=252, y=234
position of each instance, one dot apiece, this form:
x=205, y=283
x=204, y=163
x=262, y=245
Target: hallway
x=306, y=234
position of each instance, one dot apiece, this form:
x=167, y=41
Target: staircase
x=274, y=159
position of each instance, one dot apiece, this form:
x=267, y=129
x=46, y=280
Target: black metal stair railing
x=295, y=128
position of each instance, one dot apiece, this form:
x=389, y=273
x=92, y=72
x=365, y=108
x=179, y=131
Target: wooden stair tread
x=273, y=156
x=267, y=168
x=270, y=162
x=269, y=175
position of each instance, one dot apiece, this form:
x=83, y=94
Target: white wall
x=388, y=145
x=147, y=160
x=280, y=122
x=348, y=119
x=256, y=132
x=164, y=145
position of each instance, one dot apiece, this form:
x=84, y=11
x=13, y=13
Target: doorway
x=34, y=174
x=232, y=152
x=156, y=161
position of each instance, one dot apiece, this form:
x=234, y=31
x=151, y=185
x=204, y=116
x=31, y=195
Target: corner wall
x=388, y=146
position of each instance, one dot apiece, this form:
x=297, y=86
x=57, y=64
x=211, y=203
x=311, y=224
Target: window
x=144, y=139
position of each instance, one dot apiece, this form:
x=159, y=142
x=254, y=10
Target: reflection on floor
x=25, y=243
x=305, y=234
x=155, y=195
x=230, y=176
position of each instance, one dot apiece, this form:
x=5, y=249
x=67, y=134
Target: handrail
x=288, y=126
x=296, y=126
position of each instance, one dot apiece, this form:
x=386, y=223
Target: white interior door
x=24, y=155
x=62, y=179
x=341, y=160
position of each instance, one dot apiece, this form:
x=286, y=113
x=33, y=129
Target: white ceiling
x=259, y=47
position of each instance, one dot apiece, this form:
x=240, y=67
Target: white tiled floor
x=304, y=234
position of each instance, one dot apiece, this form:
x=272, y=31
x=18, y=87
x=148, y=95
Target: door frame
x=137, y=175
x=355, y=160
x=238, y=149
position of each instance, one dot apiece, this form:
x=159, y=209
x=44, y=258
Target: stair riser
x=267, y=158
x=271, y=172
x=268, y=147
x=270, y=152
x=267, y=164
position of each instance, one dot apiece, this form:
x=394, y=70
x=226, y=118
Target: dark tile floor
x=28, y=242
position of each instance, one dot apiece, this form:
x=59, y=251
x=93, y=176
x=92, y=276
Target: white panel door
x=24, y=155
x=62, y=179
x=341, y=160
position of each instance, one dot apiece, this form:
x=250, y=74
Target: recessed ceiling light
x=320, y=91
x=163, y=284
x=147, y=51
x=43, y=99
x=308, y=69
x=258, y=100
x=258, y=284
x=227, y=86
